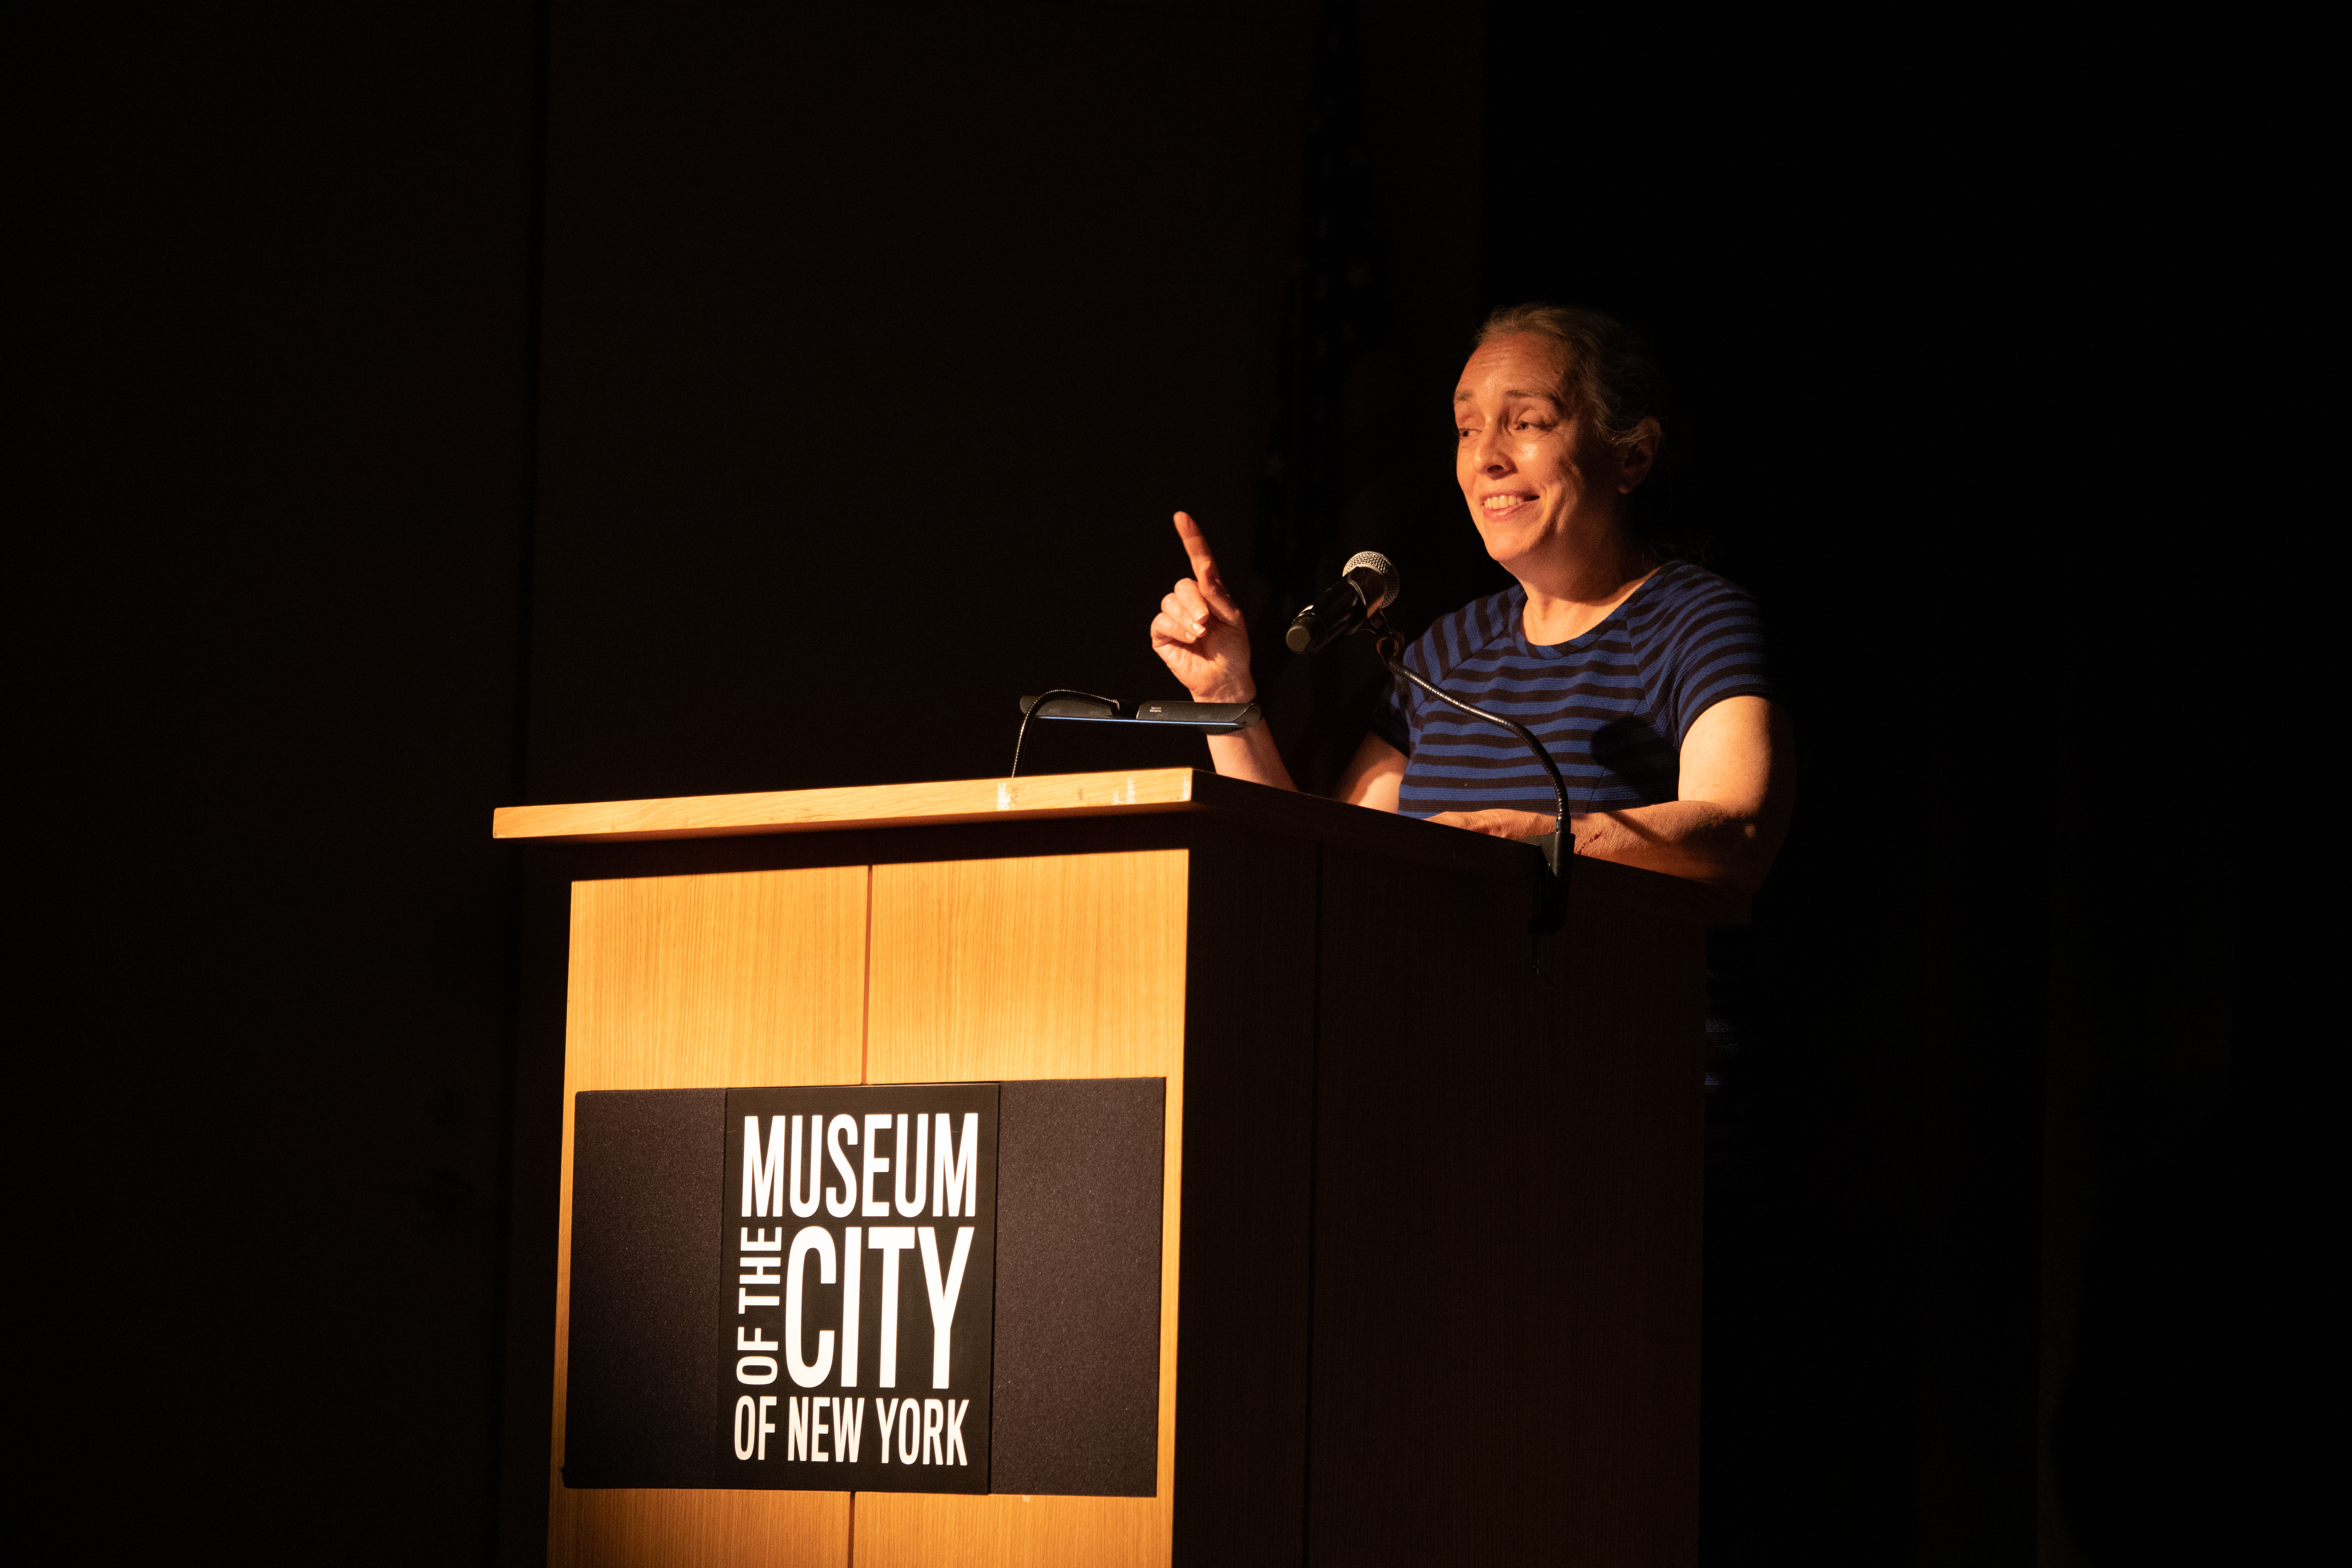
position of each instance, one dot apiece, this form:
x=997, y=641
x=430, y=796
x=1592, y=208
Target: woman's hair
x=1608, y=374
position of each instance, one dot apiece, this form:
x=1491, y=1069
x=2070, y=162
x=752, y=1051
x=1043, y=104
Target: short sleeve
x=1709, y=646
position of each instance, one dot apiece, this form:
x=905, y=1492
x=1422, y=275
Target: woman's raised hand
x=1198, y=632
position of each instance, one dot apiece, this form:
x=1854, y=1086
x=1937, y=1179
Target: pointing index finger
x=1205, y=564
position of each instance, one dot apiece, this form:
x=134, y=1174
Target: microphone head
x=1390, y=583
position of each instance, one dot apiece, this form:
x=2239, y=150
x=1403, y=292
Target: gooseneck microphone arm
x=1391, y=648
x=1559, y=848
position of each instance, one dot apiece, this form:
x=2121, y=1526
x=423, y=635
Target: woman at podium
x=1643, y=675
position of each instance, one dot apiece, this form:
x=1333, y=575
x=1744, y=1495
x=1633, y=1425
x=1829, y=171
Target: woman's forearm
x=1699, y=839
x=1694, y=839
x=1250, y=754
x=1738, y=785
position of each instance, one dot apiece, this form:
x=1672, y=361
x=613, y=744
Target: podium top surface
x=1143, y=792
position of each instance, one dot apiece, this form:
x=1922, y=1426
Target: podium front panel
x=930, y=970
x=1050, y=966
x=1335, y=1000
x=704, y=981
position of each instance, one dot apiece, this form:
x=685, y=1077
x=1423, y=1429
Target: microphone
x=1367, y=584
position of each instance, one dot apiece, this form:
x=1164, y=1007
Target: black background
x=432, y=407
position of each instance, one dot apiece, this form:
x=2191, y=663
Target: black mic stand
x=1559, y=847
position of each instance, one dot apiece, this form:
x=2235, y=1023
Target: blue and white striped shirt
x=1612, y=705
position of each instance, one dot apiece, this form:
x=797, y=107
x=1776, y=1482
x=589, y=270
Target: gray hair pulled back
x=1609, y=374
x=1607, y=371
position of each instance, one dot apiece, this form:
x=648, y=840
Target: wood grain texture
x=1040, y=966
x=1029, y=967
x=704, y=981
x=866, y=806
x=1066, y=795
x=683, y=1529
x=716, y=980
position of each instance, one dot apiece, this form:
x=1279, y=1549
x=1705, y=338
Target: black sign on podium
x=858, y=1239
x=944, y=1288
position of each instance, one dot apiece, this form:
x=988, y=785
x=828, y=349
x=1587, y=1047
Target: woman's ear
x=1637, y=457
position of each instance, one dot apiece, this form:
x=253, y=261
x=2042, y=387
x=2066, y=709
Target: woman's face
x=1537, y=478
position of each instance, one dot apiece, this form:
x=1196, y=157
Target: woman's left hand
x=1498, y=824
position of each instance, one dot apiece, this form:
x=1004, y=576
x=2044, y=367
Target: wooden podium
x=1430, y=1244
